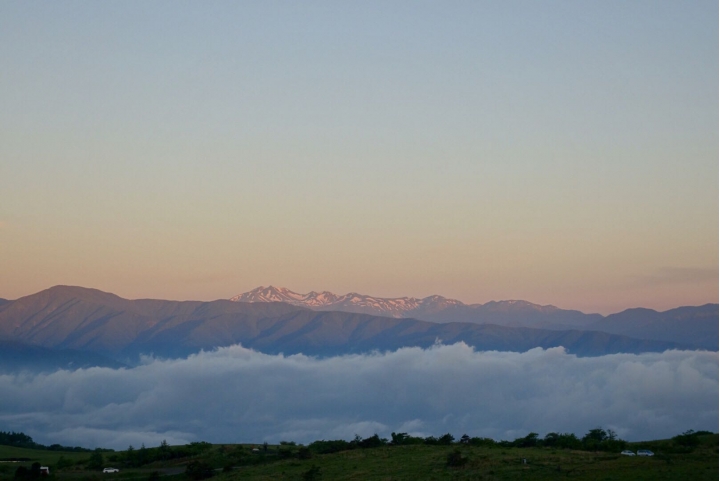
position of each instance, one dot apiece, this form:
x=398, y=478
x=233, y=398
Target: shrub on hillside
x=456, y=459
x=304, y=453
x=444, y=440
x=197, y=470
x=687, y=439
x=312, y=474
x=487, y=442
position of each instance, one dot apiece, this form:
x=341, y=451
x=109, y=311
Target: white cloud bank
x=239, y=395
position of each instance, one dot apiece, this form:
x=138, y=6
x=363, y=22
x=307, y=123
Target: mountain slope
x=694, y=325
x=431, y=308
x=89, y=320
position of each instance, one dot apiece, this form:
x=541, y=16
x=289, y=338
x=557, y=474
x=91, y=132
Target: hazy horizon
x=344, y=293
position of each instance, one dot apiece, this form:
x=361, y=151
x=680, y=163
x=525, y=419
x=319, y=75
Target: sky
x=557, y=152
x=236, y=395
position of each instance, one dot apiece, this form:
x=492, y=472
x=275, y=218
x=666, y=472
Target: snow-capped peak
x=352, y=302
x=268, y=294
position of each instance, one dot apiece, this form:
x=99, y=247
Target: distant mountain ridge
x=65, y=317
x=399, y=307
x=692, y=325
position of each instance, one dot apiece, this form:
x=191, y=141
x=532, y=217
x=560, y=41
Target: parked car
x=645, y=452
x=111, y=470
x=627, y=453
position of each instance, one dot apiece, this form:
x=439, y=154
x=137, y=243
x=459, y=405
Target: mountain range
x=695, y=326
x=85, y=320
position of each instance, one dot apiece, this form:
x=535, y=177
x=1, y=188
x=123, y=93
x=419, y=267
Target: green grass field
x=43, y=457
x=429, y=463
x=414, y=462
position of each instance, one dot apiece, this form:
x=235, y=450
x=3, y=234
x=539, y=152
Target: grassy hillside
x=408, y=462
x=44, y=457
x=430, y=463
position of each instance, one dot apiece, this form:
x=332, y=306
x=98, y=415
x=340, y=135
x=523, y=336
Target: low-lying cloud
x=238, y=395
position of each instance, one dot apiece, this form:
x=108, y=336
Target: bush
x=563, y=441
x=22, y=473
x=312, y=474
x=285, y=453
x=372, y=442
x=329, y=447
x=456, y=459
x=95, y=462
x=197, y=470
x=487, y=442
x=529, y=441
x=304, y=453
x=63, y=463
x=688, y=439
x=401, y=439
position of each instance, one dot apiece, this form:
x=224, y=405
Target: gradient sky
x=559, y=152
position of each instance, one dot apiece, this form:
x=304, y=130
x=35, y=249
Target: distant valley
x=17, y=356
x=91, y=321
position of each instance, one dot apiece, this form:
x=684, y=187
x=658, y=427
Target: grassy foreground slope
x=44, y=457
x=430, y=463
x=404, y=462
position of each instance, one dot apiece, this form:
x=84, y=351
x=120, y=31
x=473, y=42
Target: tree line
x=22, y=440
x=595, y=440
x=200, y=453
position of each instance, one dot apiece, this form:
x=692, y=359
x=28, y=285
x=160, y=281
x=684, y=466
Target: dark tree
x=487, y=442
x=596, y=434
x=22, y=473
x=95, y=462
x=164, y=450
x=63, y=462
x=304, y=453
x=529, y=441
x=688, y=439
x=373, y=441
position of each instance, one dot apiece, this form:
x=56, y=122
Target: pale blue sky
x=559, y=152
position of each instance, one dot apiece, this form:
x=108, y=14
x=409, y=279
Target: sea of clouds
x=235, y=394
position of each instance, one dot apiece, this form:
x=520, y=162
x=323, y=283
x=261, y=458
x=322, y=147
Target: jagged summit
x=432, y=308
x=353, y=301
x=398, y=307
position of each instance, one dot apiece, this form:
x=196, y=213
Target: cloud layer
x=238, y=395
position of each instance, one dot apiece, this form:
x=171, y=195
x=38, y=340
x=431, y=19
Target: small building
x=44, y=471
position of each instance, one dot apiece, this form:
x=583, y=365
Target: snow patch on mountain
x=397, y=307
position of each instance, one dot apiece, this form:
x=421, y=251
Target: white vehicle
x=645, y=452
x=627, y=453
x=111, y=470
